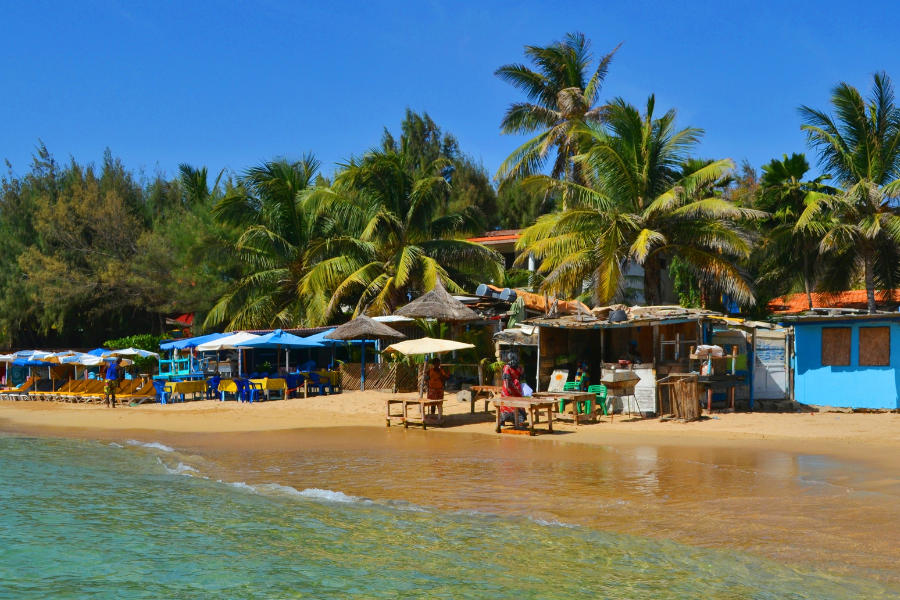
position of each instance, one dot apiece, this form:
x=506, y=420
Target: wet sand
x=822, y=490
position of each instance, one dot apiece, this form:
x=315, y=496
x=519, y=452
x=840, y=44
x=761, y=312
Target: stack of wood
x=683, y=394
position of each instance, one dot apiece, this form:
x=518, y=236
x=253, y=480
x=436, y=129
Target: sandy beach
x=846, y=434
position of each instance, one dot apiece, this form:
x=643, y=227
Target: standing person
x=114, y=373
x=512, y=387
x=436, y=378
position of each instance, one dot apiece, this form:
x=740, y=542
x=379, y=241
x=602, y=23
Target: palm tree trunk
x=806, y=279
x=652, y=281
x=870, y=280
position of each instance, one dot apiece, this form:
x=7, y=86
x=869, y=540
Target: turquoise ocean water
x=84, y=519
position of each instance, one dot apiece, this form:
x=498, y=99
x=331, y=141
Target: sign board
x=558, y=380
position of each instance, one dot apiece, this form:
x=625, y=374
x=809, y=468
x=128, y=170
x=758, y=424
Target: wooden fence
x=379, y=376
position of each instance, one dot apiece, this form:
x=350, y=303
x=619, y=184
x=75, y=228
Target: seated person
x=632, y=353
x=512, y=387
x=582, y=377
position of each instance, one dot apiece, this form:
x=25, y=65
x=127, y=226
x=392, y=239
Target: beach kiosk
x=846, y=358
x=651, y=342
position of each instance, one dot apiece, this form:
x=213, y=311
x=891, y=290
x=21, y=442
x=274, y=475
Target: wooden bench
x=424, y=418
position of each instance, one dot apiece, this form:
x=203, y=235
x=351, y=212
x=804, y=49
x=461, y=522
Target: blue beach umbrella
x=279, y=339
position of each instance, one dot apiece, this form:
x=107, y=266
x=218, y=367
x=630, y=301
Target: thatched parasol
x=438, y=304
x=363, y=328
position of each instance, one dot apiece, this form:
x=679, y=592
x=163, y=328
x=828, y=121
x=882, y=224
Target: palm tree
x=394, y=242
x=273, y=228
x=561, y=94
x=785, y=195
x=640, y=204
x=860, y=148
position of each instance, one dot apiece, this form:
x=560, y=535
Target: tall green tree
x=423, y=141
x=860, y=147
x=785, y=193
x=562, y=94
x=396, y=240
x=272, y=228
x=638, y=206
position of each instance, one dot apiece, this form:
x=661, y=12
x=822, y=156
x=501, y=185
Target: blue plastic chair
x=252, y=391
x=212, y=387
x=161, y=394
x=316, y=382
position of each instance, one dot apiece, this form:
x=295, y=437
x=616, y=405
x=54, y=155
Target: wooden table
x=486, y=393
x=532, y=406
x=424, y=419
x=272, y=384
x=574, y=397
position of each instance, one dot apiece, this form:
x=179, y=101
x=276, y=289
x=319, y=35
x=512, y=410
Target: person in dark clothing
x=114, y=373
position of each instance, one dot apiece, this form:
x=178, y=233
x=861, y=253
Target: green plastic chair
x=569, y=386
x=600, y=391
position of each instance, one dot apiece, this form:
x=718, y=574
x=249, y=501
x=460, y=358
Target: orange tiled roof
x=797, y=303
x=501, y=235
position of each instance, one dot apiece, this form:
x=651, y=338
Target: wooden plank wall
x=836, y=346
x=874, y=346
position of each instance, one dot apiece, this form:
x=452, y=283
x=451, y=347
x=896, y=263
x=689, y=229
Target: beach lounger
x=16, y=393
x=125, y=387
x=47, y=391
x=67, y=395
x=146, y=393
x=91, y=386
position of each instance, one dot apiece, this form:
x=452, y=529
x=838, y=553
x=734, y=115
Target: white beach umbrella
x=427, y=346
x=231, y=342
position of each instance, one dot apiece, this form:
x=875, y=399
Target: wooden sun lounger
x=76, y=388
x=91, y=386
x=124, y=388
x=22, y=390
x=56, y=385
x=144, y=394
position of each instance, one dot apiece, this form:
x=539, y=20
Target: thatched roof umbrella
x=438, y=304
x=363, y=328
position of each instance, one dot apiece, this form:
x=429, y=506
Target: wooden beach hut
x=846, y=358
x=660, y=336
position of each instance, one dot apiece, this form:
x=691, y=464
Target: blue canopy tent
x=27, y=362
x=98, y=351
x=279, y=339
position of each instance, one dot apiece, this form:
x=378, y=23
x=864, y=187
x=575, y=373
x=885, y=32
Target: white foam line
x=156, y=445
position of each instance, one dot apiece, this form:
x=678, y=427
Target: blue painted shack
x=846, y=360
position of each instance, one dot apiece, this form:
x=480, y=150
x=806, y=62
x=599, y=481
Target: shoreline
x=827, y=496
x=865, y=437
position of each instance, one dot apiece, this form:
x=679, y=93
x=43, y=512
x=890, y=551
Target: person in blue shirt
x=113, y=374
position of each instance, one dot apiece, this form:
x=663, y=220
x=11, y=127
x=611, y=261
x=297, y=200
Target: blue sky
x=230, y=84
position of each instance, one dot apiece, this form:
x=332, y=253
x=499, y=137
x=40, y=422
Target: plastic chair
x=212, y=387
x=161, y=394
x=600, y=391
x=569, y=386
x=251, y=391
x=317, y=382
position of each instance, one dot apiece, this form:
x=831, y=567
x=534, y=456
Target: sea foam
x=156, y=445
